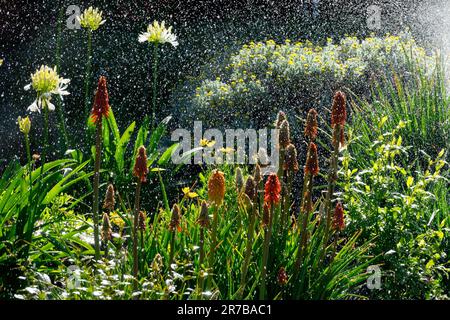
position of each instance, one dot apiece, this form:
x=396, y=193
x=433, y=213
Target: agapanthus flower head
x=159, y=34
x=290, y=159
x=312, y=160
x=339, y=111
x=46, y=82
x=285, y=134
x=203, y=219
x=282, y=277
x=176, y=219
x=338, y=217
x=100, y=107
x=91, y=19
x=311, y=125
x=216, y=187
x=281, y=116
x=251, y=188
x=106, y=228
x=272, y=190
x=239, y=179
x=140, y=166
x=24, y=125
x=142, y=221
x=109, y=198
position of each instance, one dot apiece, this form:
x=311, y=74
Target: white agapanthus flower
x=158, y=33
x=46, y=82
x=91, y=19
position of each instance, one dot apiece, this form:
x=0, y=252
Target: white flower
x=158, y=33
x=46, y=82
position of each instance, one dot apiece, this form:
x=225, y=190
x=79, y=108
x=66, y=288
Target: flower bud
x=109, y=198
x=216, y=187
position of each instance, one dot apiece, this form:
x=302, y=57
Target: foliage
x=421, y=103
x=400, y=208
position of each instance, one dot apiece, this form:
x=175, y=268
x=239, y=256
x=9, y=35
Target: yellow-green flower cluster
x=91, y=19
x=46, y=82
x=261, y=66
x=24, y=125
x=159, y=34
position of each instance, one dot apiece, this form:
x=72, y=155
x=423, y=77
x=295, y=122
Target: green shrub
x=401, y=210
x=265, y=76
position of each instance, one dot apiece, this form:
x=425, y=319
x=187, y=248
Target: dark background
x=207, y=31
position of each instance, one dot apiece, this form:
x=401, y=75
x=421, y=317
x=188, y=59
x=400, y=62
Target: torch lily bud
x=140, y=166
x=311, y=125
x=176, y=218
x=338, y=111
x=109, y=198
x=216, y=187
x=285, y=134
x=338, y=217
x=312, y=161
x=203, y=219
x=290, y=159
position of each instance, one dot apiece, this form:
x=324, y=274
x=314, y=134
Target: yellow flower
x=24, y=125
x=207, y=143
x=226, y=150
x=1, y=61
x=158, y=33
x=117, y=220
x=91, y=19
x=187, y=193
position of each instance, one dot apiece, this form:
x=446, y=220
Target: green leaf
x=122, y=145
x=113, y=125
x=65, y=182
x=165, y=157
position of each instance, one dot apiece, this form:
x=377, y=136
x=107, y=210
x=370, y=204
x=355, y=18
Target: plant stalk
x=135, y=236
x=95, y=209
x=248, y=251
x=332, y=177
x=267, y=236
x=154, y=85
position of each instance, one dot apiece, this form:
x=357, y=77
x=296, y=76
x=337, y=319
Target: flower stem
x=154, y=90
x=307, y=194
x=248, y=251
x=88, y=75
x=135, y=236
x=200, y=262
x=59, y=106
x=95, y=209
x=172, y=246
x=267, y=236
x=332, y=177
x=213, y=245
